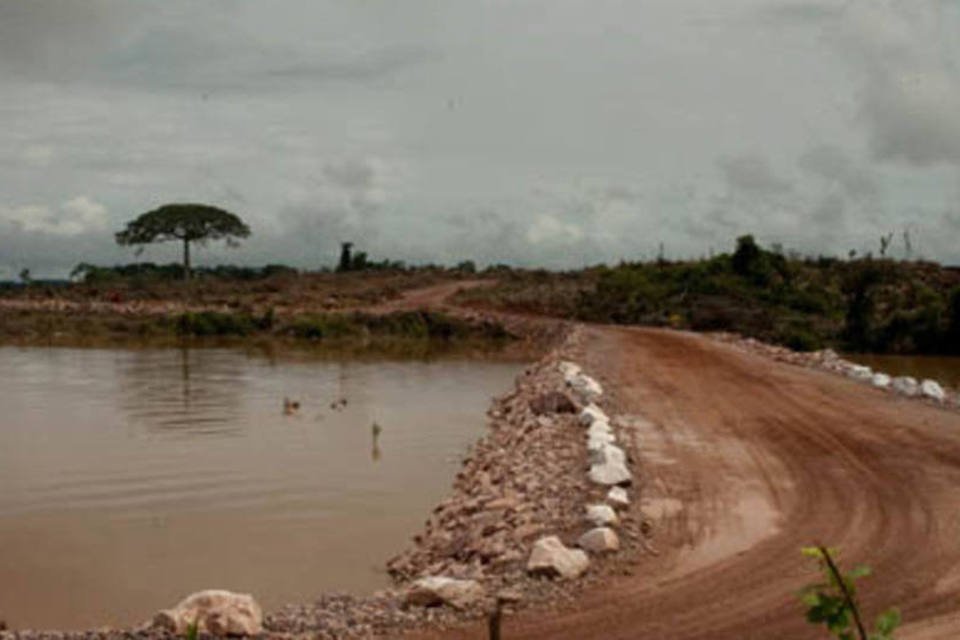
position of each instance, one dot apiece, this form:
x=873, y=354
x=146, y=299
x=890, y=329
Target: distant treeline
x=95, y=274
x=866, y=304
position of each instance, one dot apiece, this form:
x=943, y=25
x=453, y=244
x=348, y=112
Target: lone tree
x=186, y=222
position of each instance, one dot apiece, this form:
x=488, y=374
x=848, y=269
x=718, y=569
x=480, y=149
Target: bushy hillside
x=806, y=303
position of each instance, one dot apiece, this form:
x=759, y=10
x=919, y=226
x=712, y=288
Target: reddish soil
x=748, y=460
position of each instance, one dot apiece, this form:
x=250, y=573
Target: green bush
x=214, y=323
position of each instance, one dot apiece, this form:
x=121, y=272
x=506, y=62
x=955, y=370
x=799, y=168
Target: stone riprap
x=216, y=612
x=600, y=540
x=552, y=559
x=436, y=590
x=829, y=360
x=515, y=515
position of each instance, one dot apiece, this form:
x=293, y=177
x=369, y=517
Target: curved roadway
x=743, y=461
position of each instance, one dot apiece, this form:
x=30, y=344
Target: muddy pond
x=130, y=478
x=943, y=369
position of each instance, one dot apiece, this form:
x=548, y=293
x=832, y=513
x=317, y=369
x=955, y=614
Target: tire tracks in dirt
x=756, y=459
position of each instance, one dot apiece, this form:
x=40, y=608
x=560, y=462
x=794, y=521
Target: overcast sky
x=554, y=133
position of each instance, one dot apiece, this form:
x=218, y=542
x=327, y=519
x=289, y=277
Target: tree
x=346, y=260
x=186, y=222
x=747, y=255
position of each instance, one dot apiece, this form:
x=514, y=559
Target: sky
x=537, y=133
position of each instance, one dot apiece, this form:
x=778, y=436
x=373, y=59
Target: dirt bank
x=744, y=460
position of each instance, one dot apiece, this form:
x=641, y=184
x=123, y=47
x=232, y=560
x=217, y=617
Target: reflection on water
x=132, y=477
x=173, y=390
x=943, y=369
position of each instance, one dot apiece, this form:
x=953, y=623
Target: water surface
x=130, y=478
x=943, y=369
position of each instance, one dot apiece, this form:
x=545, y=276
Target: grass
x=416, y=331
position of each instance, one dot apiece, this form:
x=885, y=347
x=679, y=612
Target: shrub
x=214, y=323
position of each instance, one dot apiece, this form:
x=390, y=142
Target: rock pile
x=828, y=360
x=545, y=480
x=215, y=612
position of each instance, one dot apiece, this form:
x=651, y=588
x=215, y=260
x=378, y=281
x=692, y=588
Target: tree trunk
x=186, y=258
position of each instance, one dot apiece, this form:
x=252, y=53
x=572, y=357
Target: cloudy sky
x=533, y=132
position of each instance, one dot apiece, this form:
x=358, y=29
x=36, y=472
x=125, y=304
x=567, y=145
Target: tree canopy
x=186, y=222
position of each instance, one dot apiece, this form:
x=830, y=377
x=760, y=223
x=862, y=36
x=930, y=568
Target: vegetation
x=864, y=304
x=186, y=223
x=336, y=329
x=833, y=601
x=860, y=304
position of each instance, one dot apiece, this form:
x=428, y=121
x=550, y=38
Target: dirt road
x=747, y=460
x=433, y=297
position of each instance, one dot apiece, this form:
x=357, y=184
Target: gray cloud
x=910, y=89
x=751, y=173
x=799, y=14
x=536, y=133
x=830, y=164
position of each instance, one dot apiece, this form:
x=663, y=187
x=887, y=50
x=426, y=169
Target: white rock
x=586, y=386
x=600, y=540
x=906, y=385
x=592, y=413
x=435, y=590
x=599, y=441
x=601, y=515
x=215, y=611
x=932, y=389
x=610, y=473
x=607, y=453
x=859, y=372
x=549, y=557
x=617, y=496
x=568, y=369
x=880, y=380
x=599, y=427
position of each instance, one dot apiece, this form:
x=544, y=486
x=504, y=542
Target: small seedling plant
x=833, y=602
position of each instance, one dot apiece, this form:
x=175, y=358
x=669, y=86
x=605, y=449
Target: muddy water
x=943, y=369
x=129, y=478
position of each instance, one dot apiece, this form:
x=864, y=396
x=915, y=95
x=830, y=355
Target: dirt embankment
x=743, y=461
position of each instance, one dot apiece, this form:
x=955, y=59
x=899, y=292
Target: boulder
x=552, y=402
x=617, y=496
x=550, y=558
x=932, y=389
x=586, y=386
x=433, y=591
x=906, y=385
x=601, y=515
x=600, y=540
x=216, y=612
x=599, y=427
x=568, y=369
x=610, y=473
x=859, y=372
x=880, y=380
x=607, y=453
x=598, y=441
x=592, y=413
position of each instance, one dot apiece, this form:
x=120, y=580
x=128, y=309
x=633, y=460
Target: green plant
x=186, y=223
x=193, y=631
x=833, y=602
x=215, y=323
